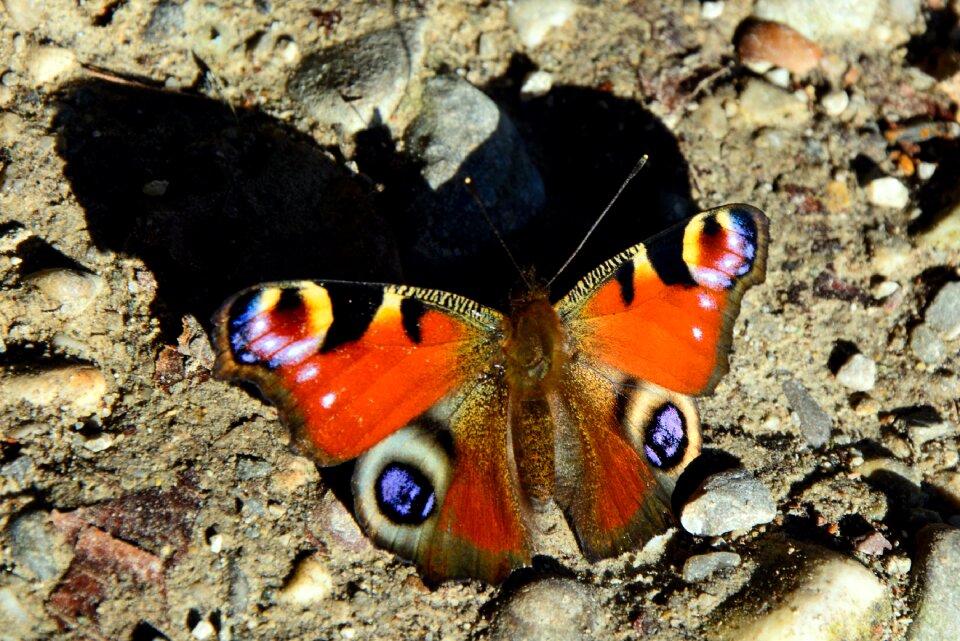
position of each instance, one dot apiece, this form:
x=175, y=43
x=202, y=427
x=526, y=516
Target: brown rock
x=763, y=43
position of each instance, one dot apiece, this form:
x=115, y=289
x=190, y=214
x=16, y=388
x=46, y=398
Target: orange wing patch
x=347, y=364
x=663, y=311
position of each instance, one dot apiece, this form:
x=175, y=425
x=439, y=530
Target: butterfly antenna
x=496, y=232
x=636, y=170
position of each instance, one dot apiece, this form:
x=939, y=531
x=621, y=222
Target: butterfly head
x=534, y=348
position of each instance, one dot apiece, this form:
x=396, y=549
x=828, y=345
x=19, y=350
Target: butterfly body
x=463, y=419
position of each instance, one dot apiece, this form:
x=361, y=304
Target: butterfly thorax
x=534, y=348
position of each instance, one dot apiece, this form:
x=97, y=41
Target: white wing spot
x=307, y=372
x=328, y=399
x=697, y=333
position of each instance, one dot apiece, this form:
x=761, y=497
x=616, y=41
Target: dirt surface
x=165, y=163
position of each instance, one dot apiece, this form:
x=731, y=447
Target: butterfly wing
x=348, y=364
x=401, y=376
x=650, y=327
x=663, y=311
x=471, y=521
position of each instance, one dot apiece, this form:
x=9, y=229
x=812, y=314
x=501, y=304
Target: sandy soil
x=175, y=498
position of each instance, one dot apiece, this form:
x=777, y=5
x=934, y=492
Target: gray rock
x=37, y=548
x=461, y=133
x=727, y=501
x=815, y=424
x=937, y=591
x=166, y=21
x=943, y=314
x=859, y=373
x=549, y=610
x=927, y=345
x=253, y=469
x=17, y=469
x=820, y=19
x=362, y=81
x=699, y=567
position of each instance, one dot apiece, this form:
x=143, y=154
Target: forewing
x=348, y=364
x=663, y=311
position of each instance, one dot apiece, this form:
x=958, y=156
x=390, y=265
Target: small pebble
x=11, y=128
x=536, y=84
x=728, y=501
x=310, y=584
x=699, y=567
x=155, y=188
x=884, y=288
x=763, y=105
x=99, y=443
x=549, y=610
x=167, y=20
x=835, y=102
x=859, y=373
x=874, y=544
x=69, y=290
x=37, y=548
x=77, y=387
x=815, y=424
x=936, y=616
x=532, y=19
x=216, y=543
x=763, y=44
x=711, y=9
x=203, y=630
x=46, y=64
x=943, y=314
x=888, y=192
x=925, y=170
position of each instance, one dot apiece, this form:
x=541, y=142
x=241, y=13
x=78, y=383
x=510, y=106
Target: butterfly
x=464, y=420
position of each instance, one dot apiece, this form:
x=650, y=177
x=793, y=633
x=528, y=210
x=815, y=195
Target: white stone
x=46, y=64
x=712, y=9
x=216, y=543
x=835, y=102
x=820, y=19
x=203, y=630
x=833, y=599
x=70, y=291
x=532, y=19
x=538, y=83
x=99, y=443
x=859, y=373
x=925, y=170
x=309, y=584
x=888, y=192
x=778, y=76
x=727, y=501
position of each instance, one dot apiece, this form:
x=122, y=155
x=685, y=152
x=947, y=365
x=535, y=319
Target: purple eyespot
x=665, y=440
x=404, y=494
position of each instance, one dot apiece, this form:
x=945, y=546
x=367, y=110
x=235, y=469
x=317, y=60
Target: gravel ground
x=157, y=156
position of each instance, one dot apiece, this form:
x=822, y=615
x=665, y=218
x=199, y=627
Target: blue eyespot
x=404, y=494
x=666, y=437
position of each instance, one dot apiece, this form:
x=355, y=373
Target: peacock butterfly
x=462, y=418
